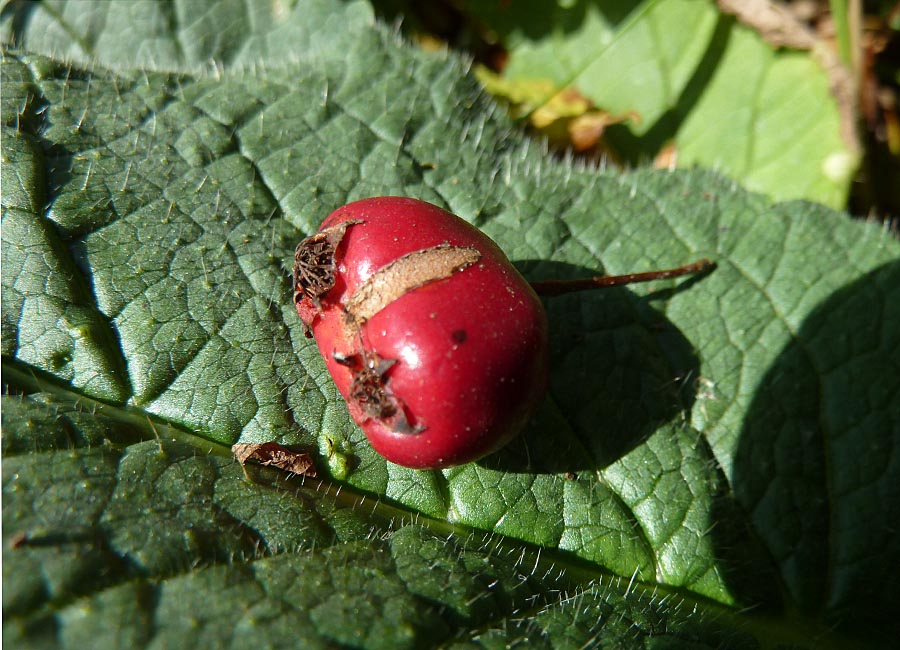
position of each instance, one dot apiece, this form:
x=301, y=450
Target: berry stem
x=560, y=287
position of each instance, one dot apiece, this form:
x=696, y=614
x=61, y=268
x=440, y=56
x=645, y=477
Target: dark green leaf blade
x=188, y=36
x=175, y=203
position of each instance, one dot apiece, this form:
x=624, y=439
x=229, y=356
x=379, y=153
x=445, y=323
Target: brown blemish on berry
x=406, y=273
x=314, y=268
x=459, y=336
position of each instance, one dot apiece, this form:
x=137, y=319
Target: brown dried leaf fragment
x=585, y=131
x=406, y=273
x=19, y=539
x=275, y=455
x=314, y=267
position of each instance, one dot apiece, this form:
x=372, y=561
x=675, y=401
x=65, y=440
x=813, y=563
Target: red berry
x=434, y=339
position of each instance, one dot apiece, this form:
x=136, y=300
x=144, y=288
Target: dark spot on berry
x=459, y=336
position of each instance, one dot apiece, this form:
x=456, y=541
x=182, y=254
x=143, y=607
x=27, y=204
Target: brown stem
x=559, y=287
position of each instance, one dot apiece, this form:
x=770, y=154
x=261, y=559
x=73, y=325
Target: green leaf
x=713, y=465
x=695, y=78
x=182, y=36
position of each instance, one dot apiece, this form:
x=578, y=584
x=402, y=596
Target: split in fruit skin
x=437, y=343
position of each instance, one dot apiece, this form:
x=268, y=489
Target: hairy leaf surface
x=715, y=463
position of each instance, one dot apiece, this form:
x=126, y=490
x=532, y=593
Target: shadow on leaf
x=618, y=370
x=816, y=468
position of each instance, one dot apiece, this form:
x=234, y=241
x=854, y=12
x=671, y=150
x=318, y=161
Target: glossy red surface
x=470, y=350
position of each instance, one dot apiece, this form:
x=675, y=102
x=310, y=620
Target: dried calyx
x=370, y=392
x=314, y=272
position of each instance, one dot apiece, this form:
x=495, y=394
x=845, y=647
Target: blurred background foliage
x=794, y=99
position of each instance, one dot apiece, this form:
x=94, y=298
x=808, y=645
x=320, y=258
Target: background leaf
x=695, y=79
x=705, y=448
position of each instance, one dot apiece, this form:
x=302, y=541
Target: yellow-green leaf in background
x=692, y=78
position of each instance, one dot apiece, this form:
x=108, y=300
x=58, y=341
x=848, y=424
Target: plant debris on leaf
x=275, y=455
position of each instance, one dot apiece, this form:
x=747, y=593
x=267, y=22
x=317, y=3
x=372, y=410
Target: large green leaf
x=714, y=465
x=696, y=79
